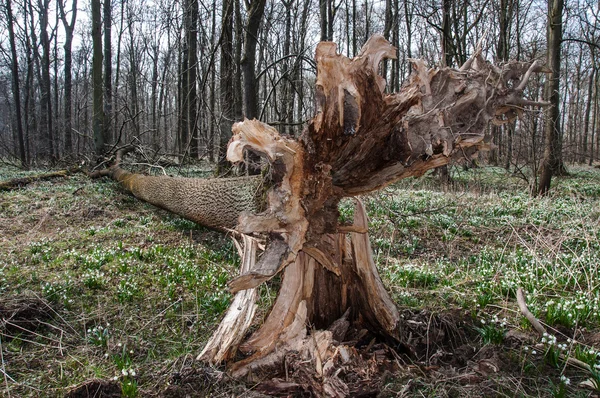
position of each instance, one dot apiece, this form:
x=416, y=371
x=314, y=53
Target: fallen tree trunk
x=360, y=140
x=23, y=181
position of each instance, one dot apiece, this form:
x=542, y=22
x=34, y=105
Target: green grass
x=134, y=289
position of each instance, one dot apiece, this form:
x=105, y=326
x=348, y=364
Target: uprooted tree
x=360, y=140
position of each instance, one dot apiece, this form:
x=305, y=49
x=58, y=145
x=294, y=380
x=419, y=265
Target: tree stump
x=360, y=140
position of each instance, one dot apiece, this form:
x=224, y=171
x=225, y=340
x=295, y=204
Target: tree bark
x=226, y=82
x=15, y=85
x=48, y=144
x=192, y=94
x=551, y=157
x=255, y=13
x=98, y=93
x=107, y=56
x=69, y=29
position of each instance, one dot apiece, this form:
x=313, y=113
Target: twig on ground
x=525, y=311
x=537, y=325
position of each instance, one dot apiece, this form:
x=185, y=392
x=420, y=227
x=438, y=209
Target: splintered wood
x=360, y=140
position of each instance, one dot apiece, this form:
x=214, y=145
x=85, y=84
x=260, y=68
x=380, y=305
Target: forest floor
x=99, y=291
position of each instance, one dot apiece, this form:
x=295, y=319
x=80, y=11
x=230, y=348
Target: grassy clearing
x=131, y=293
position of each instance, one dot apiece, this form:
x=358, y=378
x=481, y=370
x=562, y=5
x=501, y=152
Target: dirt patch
x=198, y=380
x=96, y=388
x=435, y=347
x=23, y=314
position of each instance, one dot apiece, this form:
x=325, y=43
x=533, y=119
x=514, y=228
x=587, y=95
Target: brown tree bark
x=226, y=72
x=255, y=11
x=15, y=85
x=192, y=92
x=98, y=94
x=69, y=29
x=46, y=119
x=107, y=57
x=551, y=157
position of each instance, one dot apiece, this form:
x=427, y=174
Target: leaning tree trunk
x=359, y=141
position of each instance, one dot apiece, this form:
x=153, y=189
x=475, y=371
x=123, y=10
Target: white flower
x=124, y=372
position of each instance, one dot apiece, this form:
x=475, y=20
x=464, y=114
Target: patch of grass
x=118, y=271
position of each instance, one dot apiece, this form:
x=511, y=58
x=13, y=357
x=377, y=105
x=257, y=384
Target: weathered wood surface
x=360, y=140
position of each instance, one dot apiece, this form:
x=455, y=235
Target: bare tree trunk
x=15, y=84
x=238, y=92
x=55, y=91
x=108, y=98
x=255, y=13
x=551, y=158
x=586, y=119
x=69, y=28
x=192, y=76
x=226, y=82
x=212, y=88
x=46, y=98
x=98, y=93
x=595, y=105
x=446, y=39
x=134, y=71
x=28, y=102
x=323, y=10
x=118, y=63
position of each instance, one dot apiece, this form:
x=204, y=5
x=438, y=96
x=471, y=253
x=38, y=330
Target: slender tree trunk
x=98, y=94
x=212, y=88
x=238, y=92
x=594, y=89
x=354, y=38
x=287, y=95
x=367, y=21
x=226, y=82
x=28, y=103
x=323, y=9
x=55, y=92
x=154, y=96
x=134, y=70
x=46, y=125
x=108, y=97
x=255, y=13
x=446, y=39
x=15, y=85
x=192, y=45
x=118, y=68
x=68, y=106
x=387, y=28
x=586, y=118
x=551, y=158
